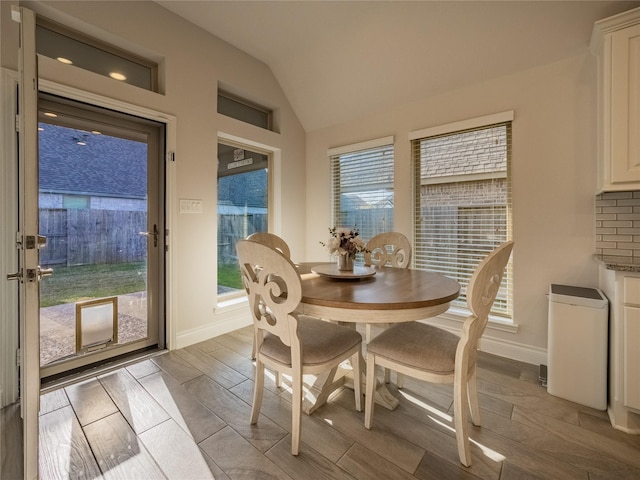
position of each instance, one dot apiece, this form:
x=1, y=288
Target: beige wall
x=192, y=63
x=554, y=155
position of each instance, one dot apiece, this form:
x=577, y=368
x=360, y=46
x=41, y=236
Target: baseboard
x=226, y=320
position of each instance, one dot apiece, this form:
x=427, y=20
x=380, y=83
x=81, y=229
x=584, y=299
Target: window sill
x=495, y=323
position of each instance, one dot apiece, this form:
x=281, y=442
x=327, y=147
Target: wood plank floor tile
x=402, y=452
x=239, y=459
x=433, y=467
x=53, y=400
x=201, y=411
x=136, y=405
x=213, y=368
x=314, y=432
x=121, y=455
x=236, y=413
x=11, y=442
x=308, y=464
x=620, y=451
x=90, y=401
x=175, y=366
x=196, y=419
x=63, y=450
x=175, y=452
x=363, y=464
x=142, y=369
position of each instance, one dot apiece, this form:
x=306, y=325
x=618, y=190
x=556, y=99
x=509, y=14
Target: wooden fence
x=232, y=228
x=86, y=237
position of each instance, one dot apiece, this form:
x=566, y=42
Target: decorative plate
x=331, y=271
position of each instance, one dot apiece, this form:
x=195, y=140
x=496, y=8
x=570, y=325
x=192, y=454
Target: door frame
x=9, y=309
x=170, y=122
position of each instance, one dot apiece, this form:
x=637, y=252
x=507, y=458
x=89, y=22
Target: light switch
x=190, y=205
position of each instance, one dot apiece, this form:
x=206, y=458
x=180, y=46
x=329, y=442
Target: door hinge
x=171, y=157
x=18, y=357
x=17, y=123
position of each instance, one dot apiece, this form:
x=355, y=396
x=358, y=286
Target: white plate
x=331, y=270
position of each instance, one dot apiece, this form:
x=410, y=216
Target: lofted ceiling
x=341, y=60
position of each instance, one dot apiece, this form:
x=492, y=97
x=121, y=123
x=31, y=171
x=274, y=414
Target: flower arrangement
x=344, y=241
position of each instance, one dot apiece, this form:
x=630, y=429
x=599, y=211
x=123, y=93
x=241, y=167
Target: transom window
x=463, y=200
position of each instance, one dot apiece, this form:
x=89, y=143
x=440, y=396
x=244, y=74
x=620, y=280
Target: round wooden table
x=392, y=295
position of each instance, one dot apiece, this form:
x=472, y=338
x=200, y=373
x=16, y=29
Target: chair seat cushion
x=321, y=342
x=419, y=346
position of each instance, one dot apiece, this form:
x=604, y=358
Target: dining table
x=369, y=295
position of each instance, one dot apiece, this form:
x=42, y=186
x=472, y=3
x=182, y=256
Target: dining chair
x=286, y=341
x=435, y=355
x=271, y=240
x=388, y=249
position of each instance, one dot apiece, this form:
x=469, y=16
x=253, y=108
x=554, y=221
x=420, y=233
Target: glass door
x=100, y=207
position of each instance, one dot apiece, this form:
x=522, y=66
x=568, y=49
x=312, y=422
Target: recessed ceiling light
x=66, y=61
x=117, y=76
x=40, y=129
x=96, y=132
x=50, y=114
x=81, y=143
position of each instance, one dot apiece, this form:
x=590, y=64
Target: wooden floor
x=185, y=415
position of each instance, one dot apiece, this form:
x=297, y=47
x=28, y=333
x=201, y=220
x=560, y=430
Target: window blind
x=362, y=187
x=463, y=204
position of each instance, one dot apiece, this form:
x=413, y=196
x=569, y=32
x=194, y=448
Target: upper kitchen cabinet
x=616, y=42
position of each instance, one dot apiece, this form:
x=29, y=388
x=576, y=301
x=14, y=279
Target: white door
x=27, y=238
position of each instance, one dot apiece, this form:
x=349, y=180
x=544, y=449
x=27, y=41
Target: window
x=242, y=207
x=74, y=48
x=463, y=200
x=244, y=110
x=362, y=186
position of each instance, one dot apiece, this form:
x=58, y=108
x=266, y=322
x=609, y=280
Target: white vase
x=345, y=262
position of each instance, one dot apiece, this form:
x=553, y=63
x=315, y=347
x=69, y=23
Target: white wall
x=192, y=63
x=554, y=155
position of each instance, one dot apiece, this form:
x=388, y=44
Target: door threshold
x=54, y=382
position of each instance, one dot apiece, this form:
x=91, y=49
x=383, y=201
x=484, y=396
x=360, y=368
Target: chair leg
x=357, y=379
x=474, y=407
x=399, y=380
x=460, y=398
x=296, y=411
x=258, y=389
x=387, y=375
x=370, y=390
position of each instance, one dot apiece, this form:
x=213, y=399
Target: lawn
x=73, y=284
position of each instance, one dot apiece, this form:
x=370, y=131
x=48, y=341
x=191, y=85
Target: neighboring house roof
x=248, y=189
x=105, y=166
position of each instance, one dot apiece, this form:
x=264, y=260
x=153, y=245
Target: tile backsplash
x=618, y=224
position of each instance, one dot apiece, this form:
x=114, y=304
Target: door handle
x=154, y=234
x=15, y=276
x=44, y=272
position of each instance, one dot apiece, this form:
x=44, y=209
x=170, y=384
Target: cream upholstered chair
x=271, y=240
x=391, y=249
x=286, y=341
x=435, y=355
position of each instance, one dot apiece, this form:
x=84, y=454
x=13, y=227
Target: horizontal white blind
x=362, y=189
x=463, y=204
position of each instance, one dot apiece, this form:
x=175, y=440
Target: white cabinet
x=616, y=41
x=623, y=290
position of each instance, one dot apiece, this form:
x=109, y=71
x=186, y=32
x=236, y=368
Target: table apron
x=371, y=315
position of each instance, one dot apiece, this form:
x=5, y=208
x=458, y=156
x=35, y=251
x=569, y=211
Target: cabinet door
x=624, y=128
x=632, y=357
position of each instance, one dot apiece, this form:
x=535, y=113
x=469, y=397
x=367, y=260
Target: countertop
x=620, y=264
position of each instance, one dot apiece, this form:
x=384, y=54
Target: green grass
x=229, y=275
x=72, y=284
